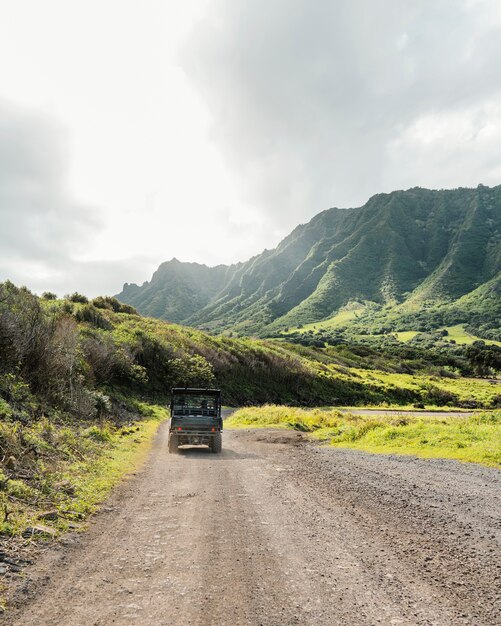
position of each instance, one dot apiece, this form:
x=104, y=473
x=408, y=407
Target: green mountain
x=407, y=250
x=177, y=289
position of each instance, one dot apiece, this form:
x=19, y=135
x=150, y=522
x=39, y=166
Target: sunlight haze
x=131, y=133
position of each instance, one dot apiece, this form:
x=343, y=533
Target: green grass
x=433, y=389
x=342, y=318
x=455, y=333
x=474, y=438
x=458, y=334
x=94, y=482
x=406, y=335
x=66, y=469
x=394, y=408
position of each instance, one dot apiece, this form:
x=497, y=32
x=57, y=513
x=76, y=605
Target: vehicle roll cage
x=183, y=408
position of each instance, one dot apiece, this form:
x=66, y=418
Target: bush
x=112, y=304
x=77, y=297
x=496, y=402
x=103, y=434
x=88, y=313
x=435, y=395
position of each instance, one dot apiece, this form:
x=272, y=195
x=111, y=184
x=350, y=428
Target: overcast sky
x=132, y=132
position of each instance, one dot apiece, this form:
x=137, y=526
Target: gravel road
x=278, y=531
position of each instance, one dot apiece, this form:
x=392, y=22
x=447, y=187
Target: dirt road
x=276, y=531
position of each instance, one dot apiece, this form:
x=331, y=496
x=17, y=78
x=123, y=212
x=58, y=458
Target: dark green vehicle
x=195, y=418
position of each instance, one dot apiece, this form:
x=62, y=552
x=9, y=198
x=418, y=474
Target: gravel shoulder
x=274, y=531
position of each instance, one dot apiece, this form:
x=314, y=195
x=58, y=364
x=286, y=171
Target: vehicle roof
x=195, y=391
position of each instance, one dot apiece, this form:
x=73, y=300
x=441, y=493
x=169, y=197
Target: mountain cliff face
x=177, y=289
x=411, y=248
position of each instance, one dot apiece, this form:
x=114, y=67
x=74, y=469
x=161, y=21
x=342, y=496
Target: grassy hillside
x=83, y=385
x=83, y=358
x=343, y=318
x=478, y=313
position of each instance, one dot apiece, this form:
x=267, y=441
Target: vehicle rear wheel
x=173, y=444
x=217, y=444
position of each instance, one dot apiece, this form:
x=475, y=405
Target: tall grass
x=474, y=438
x=66, y=470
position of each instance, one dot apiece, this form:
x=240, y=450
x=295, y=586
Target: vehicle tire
x=173, y=444
x=217, y=444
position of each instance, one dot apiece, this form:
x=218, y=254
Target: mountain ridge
x=406, y=248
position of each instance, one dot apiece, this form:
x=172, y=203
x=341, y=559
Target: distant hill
x=408, y=250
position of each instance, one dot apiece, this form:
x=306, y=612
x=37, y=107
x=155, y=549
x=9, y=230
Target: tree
x=483, y=358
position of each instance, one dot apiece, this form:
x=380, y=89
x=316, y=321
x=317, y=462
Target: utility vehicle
x=195, y=418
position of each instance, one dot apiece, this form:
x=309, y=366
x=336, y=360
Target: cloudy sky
x=132, y=132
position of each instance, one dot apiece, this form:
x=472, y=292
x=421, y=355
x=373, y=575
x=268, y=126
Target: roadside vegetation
x=473, y=438
x=79, y=378
x=55, y=474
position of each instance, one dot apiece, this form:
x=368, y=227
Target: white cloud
x=449, y=149
x=40, y=222
x=311, y=102
x=208, y=129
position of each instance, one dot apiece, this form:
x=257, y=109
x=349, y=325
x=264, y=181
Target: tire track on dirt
x=279, y=531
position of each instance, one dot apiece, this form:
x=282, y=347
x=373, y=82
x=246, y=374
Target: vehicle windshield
x=194, y=405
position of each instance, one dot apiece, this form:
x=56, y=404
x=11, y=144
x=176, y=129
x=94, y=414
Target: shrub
x=90, y=314
x=435, y=395
x=496, y=401
x=100, y=355
x=112, y=304
x=99, y=434
x=77, y=297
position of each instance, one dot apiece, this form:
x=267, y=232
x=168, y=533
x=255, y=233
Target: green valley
x=394, y=304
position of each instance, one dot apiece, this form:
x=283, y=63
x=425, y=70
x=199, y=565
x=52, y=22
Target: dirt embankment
x=278, y=531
